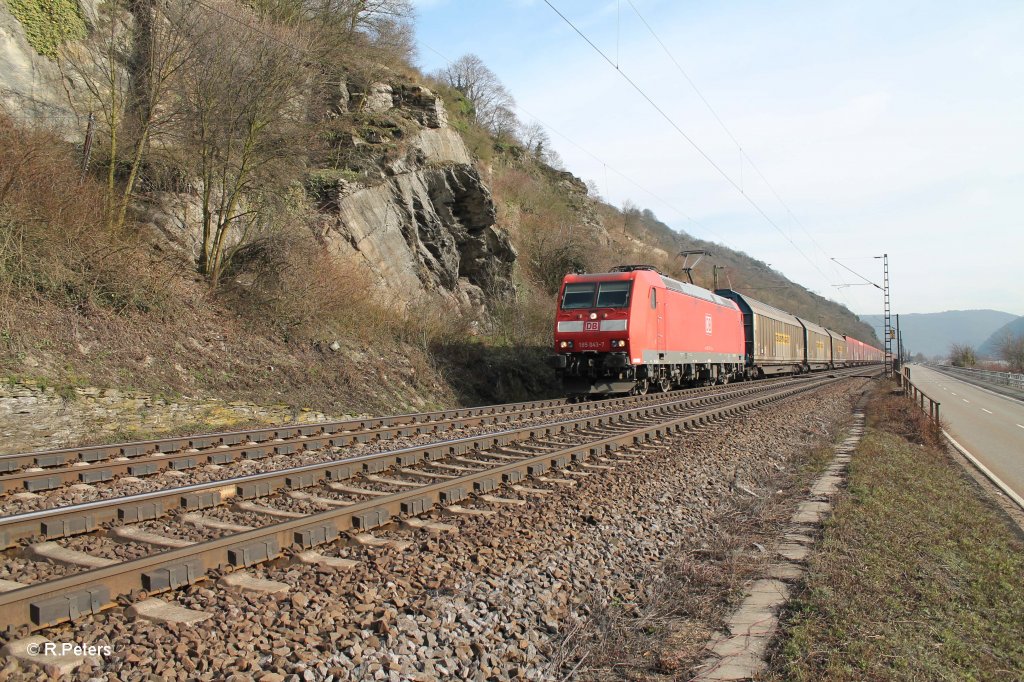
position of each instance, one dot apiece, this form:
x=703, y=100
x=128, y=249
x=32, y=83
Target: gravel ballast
x=533, y=592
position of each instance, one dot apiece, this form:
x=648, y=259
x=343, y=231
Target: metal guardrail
x=917, y=395
x=988, y=376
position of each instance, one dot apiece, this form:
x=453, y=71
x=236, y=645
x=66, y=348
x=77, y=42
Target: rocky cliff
x=405, y=200
x=427, y=222
x=29, y=82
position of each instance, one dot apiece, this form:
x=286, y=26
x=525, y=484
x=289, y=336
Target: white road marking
x=984, y=410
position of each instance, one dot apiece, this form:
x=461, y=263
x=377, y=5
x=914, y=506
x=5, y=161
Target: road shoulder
x=919, y=574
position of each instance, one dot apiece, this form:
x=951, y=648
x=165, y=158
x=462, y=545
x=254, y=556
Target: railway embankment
x=919, y=574
x=34, y=416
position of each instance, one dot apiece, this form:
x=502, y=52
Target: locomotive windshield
x=613, y=295
x=609, y=295
x=578, y=296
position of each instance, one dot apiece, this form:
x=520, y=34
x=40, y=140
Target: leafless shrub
x=1011, y=349
x=493, y=105
x=904, y=417
x=962, y=355
x=55, y=240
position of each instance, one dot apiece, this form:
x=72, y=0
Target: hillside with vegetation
x=1004, y=342
x=932, y=334
x=268, y=201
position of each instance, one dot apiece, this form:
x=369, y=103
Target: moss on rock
x=49, y=23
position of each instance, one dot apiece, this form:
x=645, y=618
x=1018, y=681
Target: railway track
x=305, y=507
x=42, y=471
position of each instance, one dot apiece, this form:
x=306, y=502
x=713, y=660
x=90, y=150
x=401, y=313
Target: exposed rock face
x=379, y=98
x=172, y=218
x=29, y=83
x=35, y=417
x=430, y=226
x=431, y=229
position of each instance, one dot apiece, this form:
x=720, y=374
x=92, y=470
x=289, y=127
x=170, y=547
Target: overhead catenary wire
x=757, y=207
x=605, y=165
x=440, y=54
x=742, y=150
x=616, y=171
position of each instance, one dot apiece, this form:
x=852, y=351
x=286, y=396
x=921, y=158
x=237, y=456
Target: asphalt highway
x=990, y=426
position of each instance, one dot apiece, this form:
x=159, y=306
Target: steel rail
x=50, y=469
x=92, y=591
x=267, y=433
x=69, y=520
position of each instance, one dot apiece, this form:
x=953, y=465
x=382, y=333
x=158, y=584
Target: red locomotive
x=633, y=329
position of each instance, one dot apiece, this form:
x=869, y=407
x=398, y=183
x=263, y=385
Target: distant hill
x=990, y=348
x=933, y=333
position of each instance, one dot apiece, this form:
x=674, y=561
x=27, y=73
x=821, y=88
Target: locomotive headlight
x=563, y=344
x=618, y=343
x=593, y=316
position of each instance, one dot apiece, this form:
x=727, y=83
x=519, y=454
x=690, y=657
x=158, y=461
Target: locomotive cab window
x=578, y=296
x=613, y=295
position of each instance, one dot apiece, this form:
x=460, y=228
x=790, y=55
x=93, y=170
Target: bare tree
x=493, y=105
x=371, y=16
x=382, y=29
x=533, y=136
x=126, y=71
x=962, y=355
x=244, y=132
x=632, y=216
x=1011, y=349
x=537, y=141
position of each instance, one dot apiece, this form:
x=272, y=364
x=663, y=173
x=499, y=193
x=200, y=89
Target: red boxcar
x=633, y=329
x=861, y=353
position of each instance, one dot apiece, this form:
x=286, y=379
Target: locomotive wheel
x=641, y=387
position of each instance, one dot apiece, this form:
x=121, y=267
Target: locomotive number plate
x=590, y=344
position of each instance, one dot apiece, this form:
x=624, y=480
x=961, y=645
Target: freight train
x=634, y=329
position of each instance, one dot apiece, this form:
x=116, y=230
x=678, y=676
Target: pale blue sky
x=885, y=126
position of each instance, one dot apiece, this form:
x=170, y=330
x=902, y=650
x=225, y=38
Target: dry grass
x=54, y=238
x=898, y=415
x=918, y=577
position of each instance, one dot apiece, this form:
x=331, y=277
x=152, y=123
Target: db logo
x=591, y=326
x=707, y=325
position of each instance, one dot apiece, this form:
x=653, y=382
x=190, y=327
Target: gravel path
x=530, y=593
